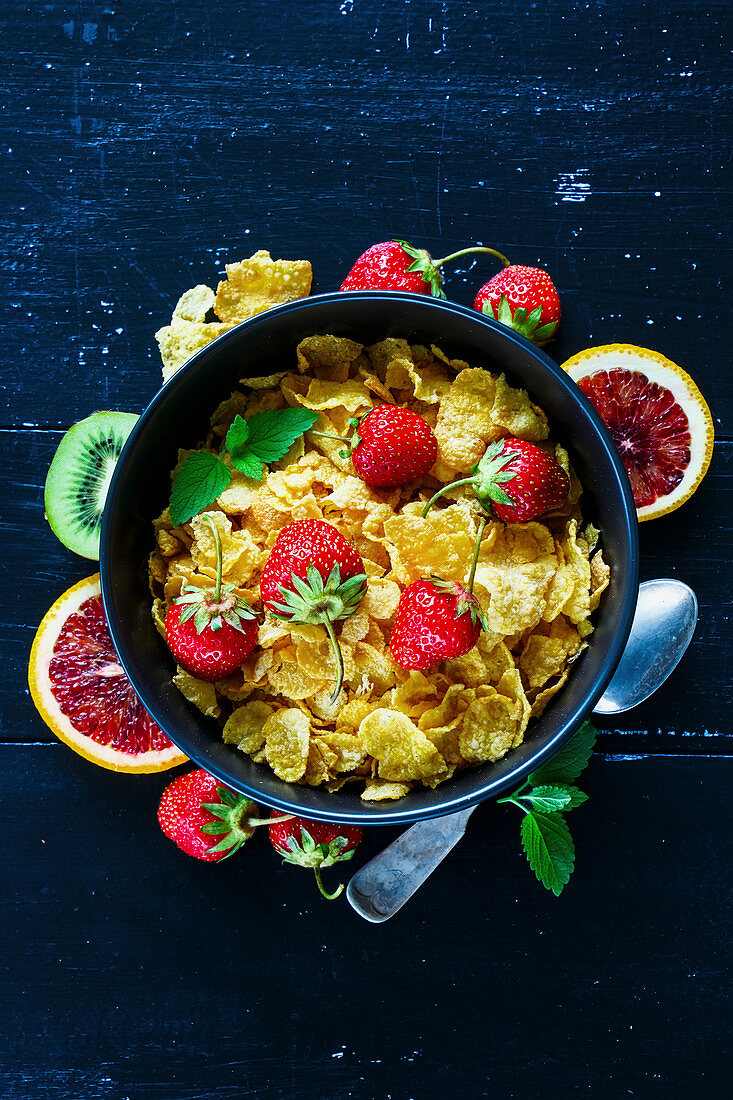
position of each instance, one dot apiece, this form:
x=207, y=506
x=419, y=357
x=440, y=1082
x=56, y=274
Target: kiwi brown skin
x=79, y=476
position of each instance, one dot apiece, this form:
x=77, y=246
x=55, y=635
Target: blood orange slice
x=83, y=694
x=657, y=418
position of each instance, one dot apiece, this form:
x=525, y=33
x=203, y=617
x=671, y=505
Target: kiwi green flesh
x=79, y=477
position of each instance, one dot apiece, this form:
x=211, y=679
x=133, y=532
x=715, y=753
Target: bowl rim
x=387, y=814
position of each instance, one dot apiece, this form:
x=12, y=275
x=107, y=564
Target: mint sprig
x=261, y=439
x=546, y=796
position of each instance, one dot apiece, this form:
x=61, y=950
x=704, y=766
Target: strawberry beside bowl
x=178, y=416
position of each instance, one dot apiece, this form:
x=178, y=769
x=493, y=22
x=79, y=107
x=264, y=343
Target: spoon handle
x=381, y=887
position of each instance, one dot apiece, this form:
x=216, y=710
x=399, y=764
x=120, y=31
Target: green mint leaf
x=248, y=464
x=577, y=797
x=271, y=433
x=238, y=434
x=550, y=849
x=547, y=799
x=198, y=483
x=567, y=764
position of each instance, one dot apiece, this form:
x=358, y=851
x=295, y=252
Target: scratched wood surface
x=142, y=146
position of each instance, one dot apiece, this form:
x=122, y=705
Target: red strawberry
x=523, y=298
x=390, y=446
x=515, y=480
x=210, y=632
x=205, y=819
x=397, y=265
x=315, y=844
x=313, y=575
x=437, y=620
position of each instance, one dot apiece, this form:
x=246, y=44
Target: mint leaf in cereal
x=550, y=849
x=248, y=464
x=238, y=434
x=264, y=437
x=271, y=434
x=198, y=483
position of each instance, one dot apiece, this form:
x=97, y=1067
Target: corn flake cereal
x=390, y=729
x=287, y=743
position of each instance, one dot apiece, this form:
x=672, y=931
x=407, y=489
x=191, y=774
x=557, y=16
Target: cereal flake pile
x=390, y=729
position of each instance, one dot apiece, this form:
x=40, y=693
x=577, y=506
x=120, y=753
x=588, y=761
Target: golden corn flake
x=352, y=396
x=442, y=543
x=240, y=554
x=489, y=728
x=515, y=573
x=465, y=424
x=347, y=750
x=198, y=692
x=600, y=576
x=401, y=749
x=514, y=414
x=324, y=355
x=287, y=742
x=259, y=283
x=188, y=332
x=245, y=726
x=378, y=790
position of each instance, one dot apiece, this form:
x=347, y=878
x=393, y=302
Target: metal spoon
x=664, y=622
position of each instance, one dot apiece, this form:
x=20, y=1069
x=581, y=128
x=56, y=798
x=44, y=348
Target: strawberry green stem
x=336, y=648
x=254, y=821
x=329, y=435
x=476, y=551
x=331, y=897
x=444, y=490
x=217, y=543
x=469, y=252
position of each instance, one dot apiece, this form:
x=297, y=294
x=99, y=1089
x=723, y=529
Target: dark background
x=142, y=145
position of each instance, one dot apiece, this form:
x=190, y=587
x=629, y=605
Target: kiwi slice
x=79, y=476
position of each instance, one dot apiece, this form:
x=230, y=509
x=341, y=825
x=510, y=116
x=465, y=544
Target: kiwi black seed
x=79, y=476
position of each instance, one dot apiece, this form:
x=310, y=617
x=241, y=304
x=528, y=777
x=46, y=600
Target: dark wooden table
x=143, y=144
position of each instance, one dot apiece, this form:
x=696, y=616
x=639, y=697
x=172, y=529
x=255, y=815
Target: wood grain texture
x=140, y=973
x=143, y=145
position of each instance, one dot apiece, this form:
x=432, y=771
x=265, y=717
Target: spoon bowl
x=664, y=622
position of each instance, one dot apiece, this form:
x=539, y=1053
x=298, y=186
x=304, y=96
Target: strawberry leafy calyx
x=486, y=480
x=490, y=474
x=306, y=852
x=466, y=602
x=314, y=600
x=214, y=607
x=423, y=263
x=207, y=611
x=235, y=820
x=523, y=321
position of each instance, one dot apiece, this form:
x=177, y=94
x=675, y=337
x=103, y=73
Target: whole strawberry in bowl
x=313, y=575
x=390, y=446
x=210, y=632
x=515, y=480
x=438, y=620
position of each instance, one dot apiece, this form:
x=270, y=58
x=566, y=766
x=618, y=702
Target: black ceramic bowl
x=179, y=415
